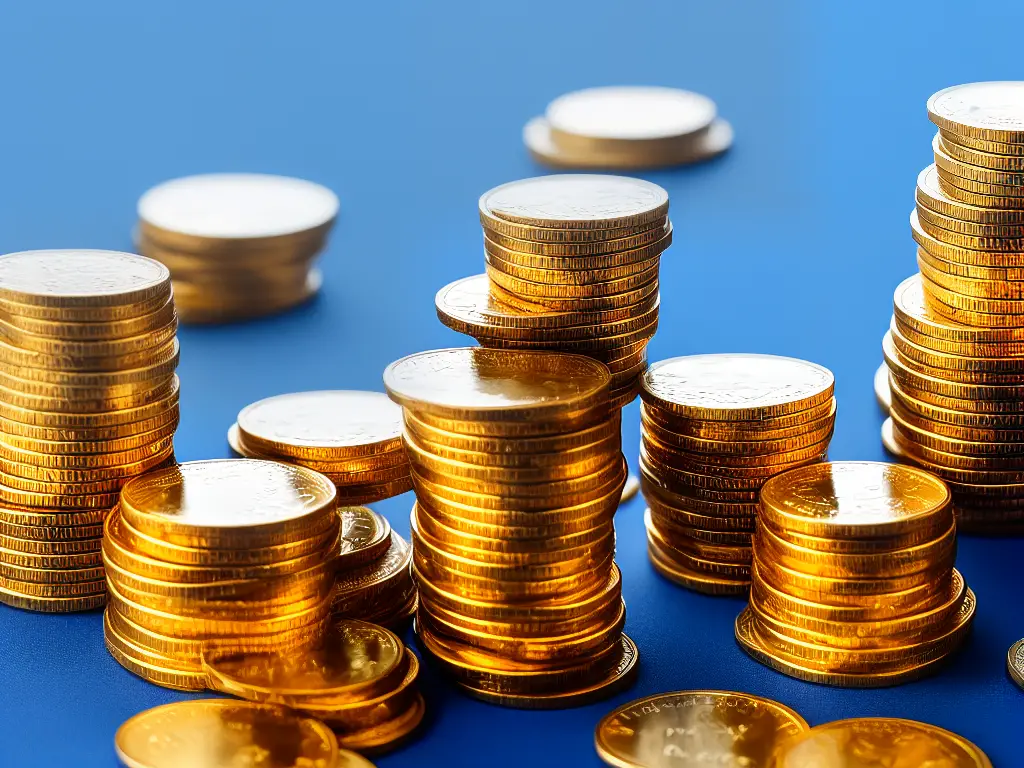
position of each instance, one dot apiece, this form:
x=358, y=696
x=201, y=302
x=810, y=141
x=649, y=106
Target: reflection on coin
x=992, y=110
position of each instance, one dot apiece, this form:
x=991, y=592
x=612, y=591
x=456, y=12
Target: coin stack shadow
x=954, y=350
x=707, y=447
x=577, y=280
x=513, y=543
x=230, y=553
x=853, y=578
x=88, y=398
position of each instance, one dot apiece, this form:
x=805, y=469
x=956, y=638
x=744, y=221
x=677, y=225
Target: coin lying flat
x=992, y=111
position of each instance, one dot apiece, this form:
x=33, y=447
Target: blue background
x=790, y=244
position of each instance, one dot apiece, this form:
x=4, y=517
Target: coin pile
x=360, y=680
x=354, y=438
x=232, y=553
x=382, y=590
x=88, y=399
x=714, y=428
x=517, y=468
x=627, y=128
x=238, y=245
x=572, y=266
x=853, y=578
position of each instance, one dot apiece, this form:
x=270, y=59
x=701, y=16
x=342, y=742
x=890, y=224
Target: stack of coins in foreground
x=572, y=266
x=238, y=245
x=232, y=553
x=360, y=681
x=853, y=578
x=379, y=588
x=517, y=467
x=714, y=428
x=627, y=128
x=355, y=438
x=88, y=399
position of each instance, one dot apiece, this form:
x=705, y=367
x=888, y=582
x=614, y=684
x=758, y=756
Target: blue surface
x=790, y=244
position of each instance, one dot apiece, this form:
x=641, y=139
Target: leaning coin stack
x=381, y=589
x=238, y=245
x=355, y=438
x=517, y=467
x=853, y=578
x=627, y=128
x=572, y=266
x=714, y=428
x=956, y=355
x=232, y=553
x=88, y=399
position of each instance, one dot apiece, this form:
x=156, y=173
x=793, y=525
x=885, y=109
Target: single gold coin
x=1015, y=663
x=719, y=726
x=931, y=195
x=878, y=741
x=989, y=110
x=218, y=733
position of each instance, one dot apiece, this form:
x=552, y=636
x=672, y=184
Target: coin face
x=993, y=110
x=631, y=112
x=238, y=205
x=217, y=733
x=695, y=727
x=872, y=741
x=736, y=386
x=581, y=201
x=80, y=278
x=1015, y=662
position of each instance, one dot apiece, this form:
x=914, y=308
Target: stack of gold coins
x=355, y=438
x=853, y=578
x=361, y=681
x=88, y=399
x=572, y=266
x=232, y=553
x=517, y=467
x=381, y=590
x=238, y=245
x=714, y=428
x=627, y=128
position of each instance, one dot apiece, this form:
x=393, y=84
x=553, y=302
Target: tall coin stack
x=853, y=578
x=517, y=468
x=956, y=347
x=714, y=428
x=355, y=438
x=572, y=266
x=88, y=399
x=239, y=245
x=228, y=554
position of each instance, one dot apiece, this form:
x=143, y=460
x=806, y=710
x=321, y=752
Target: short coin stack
x=517, y=467
x=232, y=553
x=88, y=399
x=381, y=590
x=238, y=245
x=360, y=680
x=355, y=438
x=572, y=266
x=853, y=578
x=714, y=428
x=627, y=128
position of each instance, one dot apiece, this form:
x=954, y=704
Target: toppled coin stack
x=88, y=399
x=238, y=245
x=714, y=428
x=354, y=438
x=517, y=468
x=230, y=553
x=853, y=578
x=627, y=128
x=572, y=266
x=360, y=680
x=955, y=347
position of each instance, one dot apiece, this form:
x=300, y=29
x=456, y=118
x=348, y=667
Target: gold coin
x=369, y=493
x=53, y=347
x=97, y=420
x=389, y=734
x=96, y=385
x=949, y=250
x=982, y=145
x=51, y=604
x=946, y=163
x=950, y=180
x=966, y=369
x=699, y=581
x=985, y=111
x=528, y=258
x=1015, y=663
x=931, y=195
x=75, y=446
x=581, y=250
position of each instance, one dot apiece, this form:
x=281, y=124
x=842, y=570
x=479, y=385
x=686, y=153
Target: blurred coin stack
x=360, y=680
x=714, y=428
x=572, y=266
x=517, y=467
x=228, y=554
x=238, y=245
x=355, y=438
x=88, y=399
x=853, y=578
x=627, y=128
x=955, y=351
